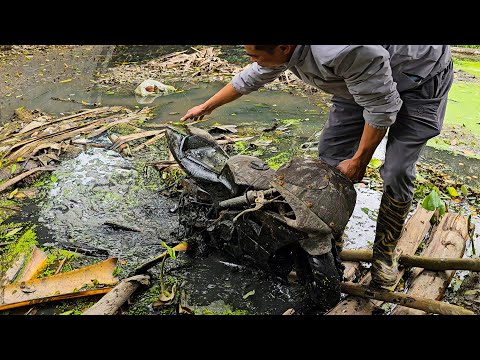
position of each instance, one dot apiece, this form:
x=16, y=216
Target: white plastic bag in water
x=153, y=88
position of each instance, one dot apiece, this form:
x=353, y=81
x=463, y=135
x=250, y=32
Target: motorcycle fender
x=316, y=245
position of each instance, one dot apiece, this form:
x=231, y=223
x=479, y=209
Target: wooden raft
x=447, y=239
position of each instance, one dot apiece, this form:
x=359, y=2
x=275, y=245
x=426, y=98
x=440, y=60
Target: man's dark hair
x=268, y=48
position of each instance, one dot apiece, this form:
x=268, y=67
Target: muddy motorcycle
x=285, y=221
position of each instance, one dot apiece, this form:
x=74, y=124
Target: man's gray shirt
x=371, y=75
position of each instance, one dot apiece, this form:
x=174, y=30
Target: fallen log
x=448, y=239
x=111, y=302
x=427, y=263
x=424, y=304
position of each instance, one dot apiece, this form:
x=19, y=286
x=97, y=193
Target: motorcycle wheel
x=321, y=278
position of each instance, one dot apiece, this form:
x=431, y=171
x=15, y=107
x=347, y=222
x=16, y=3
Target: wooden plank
x=448, y=240
x=352, y=270
x=52, y=287
x=416, y=227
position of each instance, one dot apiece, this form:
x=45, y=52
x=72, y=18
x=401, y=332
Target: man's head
x=269, y=55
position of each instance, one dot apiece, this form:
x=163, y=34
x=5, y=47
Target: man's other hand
x=353, y=169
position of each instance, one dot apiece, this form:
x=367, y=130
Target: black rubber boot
x=390, y=221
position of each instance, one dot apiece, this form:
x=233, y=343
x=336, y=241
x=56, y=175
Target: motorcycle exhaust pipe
x=246, y=199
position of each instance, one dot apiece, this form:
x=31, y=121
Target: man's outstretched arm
x=225, y=95
x=249, y=79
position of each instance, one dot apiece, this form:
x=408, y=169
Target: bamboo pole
x=415, y=302
x=428, y=263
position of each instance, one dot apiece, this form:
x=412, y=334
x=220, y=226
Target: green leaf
x=110, y=93
x=14, y=166
x=452, y=191
x=365, y=210
x=464, y=190
x=13, y=232
x=69, y=312
x=170, y=250
x=13, y=193
x=250, y=293
x=432, y=201
x=375, y=163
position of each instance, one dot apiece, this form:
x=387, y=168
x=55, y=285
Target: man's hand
x=353, y=169
x=196, y=113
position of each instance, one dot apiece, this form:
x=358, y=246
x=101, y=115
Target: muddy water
x=100, y=186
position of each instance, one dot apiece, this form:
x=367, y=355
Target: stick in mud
x=80, y=248
x=183, y=246
x=427, y=263
x=121, y=227
x=427, y=305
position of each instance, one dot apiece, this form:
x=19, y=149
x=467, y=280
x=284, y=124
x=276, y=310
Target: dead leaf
x=65, y=81
x=166, y=295
x=290, y=311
